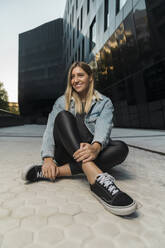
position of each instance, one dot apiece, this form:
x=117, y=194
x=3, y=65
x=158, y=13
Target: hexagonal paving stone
x=46, y=194
x=68, y=244
x=3, y=188
x=132, y=226
x=7, y=195
x=46, y=211
x=1, y=239
x=78, y=232
x=7, y=224
x=60, y=219
x=22, y=212
x=4, y=212
x=154, y=238
x=34, y=222
x=69, y=208
x=85, y=218
x=92, y=207
x=99, y=242
x=56, y=201
x=50, y=235
x=36, y=246
x=13, y=203
x=107, y=216
x=106, y=229
x=35, y=202
x=27, y=195
x=128, y=241
x=17, y=238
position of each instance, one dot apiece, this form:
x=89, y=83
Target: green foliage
x=3, y=98
x=14, y=110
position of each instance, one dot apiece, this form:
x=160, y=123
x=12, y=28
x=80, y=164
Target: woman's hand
x=87, y=152
x=50, y=169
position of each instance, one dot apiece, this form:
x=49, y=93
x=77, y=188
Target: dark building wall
x=126, y=52
x=130, y=68
x=40, y=68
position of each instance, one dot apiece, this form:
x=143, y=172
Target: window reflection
x=92, y=34
x=130, y=67
x=142, y=33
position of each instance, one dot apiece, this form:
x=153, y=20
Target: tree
x=3, y=98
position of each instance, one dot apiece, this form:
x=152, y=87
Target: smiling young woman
x=77, y=140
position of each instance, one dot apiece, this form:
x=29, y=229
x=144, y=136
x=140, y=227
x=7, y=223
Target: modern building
x=124, y=41
x=40, y=69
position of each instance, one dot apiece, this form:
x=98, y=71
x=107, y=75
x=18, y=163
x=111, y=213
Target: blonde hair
x=70, y=92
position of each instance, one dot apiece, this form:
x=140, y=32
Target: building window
x=79, y=53
x=77, y=27
x=83, y=48
x=67, y=30
x=67, y=55
x=68, y=7
x=106, y=14
x=75, y=57
x=76, y=4
x=81, y=23
x=73, y=14
x=92, y=35
x=70, y=21
x=119, y=5
x=73, y=38
x=88, y=6
x=70, y=46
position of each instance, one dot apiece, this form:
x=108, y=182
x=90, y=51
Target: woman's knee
x=121, y=148
x=62, y=116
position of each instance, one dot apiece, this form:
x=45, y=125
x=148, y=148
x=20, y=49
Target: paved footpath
x=64, y=214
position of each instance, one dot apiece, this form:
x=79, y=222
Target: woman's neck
x=83, y=100
x=83, y=96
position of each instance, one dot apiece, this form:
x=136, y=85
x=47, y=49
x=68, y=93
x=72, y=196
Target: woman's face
x=80, y=81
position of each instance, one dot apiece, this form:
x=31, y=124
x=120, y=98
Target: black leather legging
x=67, y=141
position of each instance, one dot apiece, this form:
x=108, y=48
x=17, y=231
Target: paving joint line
x=147, y=150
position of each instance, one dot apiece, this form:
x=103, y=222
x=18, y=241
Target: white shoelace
x=108, y=182
x=40, y=174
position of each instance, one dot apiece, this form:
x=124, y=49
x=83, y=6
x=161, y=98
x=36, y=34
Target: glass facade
x=123, y=41
x=131, y=71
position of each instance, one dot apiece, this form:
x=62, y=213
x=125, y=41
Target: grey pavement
x=64, y=214
x=153, y=140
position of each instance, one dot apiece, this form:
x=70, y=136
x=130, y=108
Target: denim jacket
x=98, y=120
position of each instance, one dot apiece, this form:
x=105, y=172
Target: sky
x=18, y=16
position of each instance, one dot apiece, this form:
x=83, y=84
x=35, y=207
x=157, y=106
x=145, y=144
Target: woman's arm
x=104, y=125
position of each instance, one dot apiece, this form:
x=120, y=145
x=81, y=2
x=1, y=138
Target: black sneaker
x=113, y=199
x=33, y=173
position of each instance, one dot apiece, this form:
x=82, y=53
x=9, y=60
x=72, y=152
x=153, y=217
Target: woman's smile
x=77, y=85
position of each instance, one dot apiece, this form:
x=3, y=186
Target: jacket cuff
x=47, y=155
